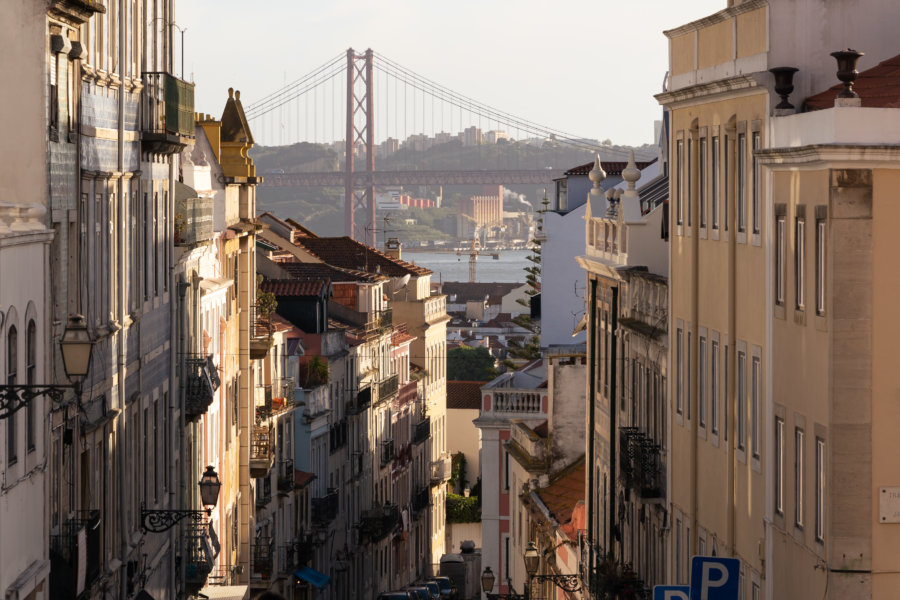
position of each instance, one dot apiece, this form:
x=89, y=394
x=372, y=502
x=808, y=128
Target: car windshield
x=435, y=589
x=444, y=584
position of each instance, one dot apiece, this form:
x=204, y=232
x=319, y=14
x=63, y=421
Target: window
x=701, y=393
x=725, y=180
x=679, y=372
x=756, y=191
x=30, y=362
x=714, y=388
x=755, y=406
x=800, y=262
x=779, y=465
x=687, y=379
x=679, y=170
x=714, y=184
x=725, y=392
x=741, y=400
x=754, y=591
x=798, y=477
x=12, y=361
x=688, y=180
x=679, y=566
x=54, y=98
x=780, y=267
x=156, y=260
x=741, y=183
x=505, y=470
x=820, y=265
x=820, y=489
x=701, y=186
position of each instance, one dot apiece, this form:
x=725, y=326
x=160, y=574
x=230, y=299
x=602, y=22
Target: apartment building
x=745, y=389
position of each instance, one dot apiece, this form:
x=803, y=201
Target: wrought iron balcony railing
x=286, y=477
x=640, y=463
x=378, y=523
x=261, y=560
x=421, y=500
x=200, y=382
x=71, y=553
x=193, y=221
x=423, y=430
x=325, y=509
x=388, y=388
x=362, y=402
x=337, y=435
x=264, y=492
x=262, y=451
x=387, y=452
x=198, y=554
x=167, y=112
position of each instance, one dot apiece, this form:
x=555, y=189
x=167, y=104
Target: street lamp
x=487, y=584
x=76, y=345
x=567, y=583
x=158, y=521
x=487, y=581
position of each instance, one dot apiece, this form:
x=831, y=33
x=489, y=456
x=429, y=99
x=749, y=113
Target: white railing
x=513, y=400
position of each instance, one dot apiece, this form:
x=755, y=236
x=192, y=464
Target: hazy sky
x=585, y=67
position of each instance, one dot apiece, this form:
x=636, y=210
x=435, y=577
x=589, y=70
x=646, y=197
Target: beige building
x=761, y=386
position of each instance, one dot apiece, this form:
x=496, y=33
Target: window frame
x=821, y=262
x=714, y=184
x=779, y=466
x=780, y=258
x=741, y=180
x=714, y=387
x=800, y=260
x=701, y=184
x=679, y=185
x=799, y=440
x=741, y=400
x=12, y=373
x=821, y=477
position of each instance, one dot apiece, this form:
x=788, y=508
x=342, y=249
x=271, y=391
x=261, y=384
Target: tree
x=470, y=364
x=531, y=347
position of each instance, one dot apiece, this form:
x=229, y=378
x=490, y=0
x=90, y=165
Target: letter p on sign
x=672, y=592
x=715, y=578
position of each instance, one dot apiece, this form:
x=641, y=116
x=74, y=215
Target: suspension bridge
x=343, y=102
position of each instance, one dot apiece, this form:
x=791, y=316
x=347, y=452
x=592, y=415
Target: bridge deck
x=385, y=178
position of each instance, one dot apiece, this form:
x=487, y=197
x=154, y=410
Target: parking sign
x=672, y=592
x=715, y=578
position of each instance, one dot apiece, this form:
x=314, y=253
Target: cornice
x=718, y=17
x=705, y=90
x=873, y=155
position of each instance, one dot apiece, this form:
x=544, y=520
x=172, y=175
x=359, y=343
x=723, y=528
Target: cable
x=287, y=88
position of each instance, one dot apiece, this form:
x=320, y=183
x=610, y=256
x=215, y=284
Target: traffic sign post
x=715, y=578
x=671, y=592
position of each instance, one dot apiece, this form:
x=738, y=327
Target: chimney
x=392, y=248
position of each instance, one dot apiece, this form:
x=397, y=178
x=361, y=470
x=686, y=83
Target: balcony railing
x=286, y=477
x=262, y=451
x=440, y=470
x=381, y=321
x=263, y=492
x=378, y=523
x=387, y=452
x=193, y=221
x=200, y=382
x=516, y=400
x=388, y=388
x=221, y=575
x=362, y=402
x=167, y=113
x=640, y=462
x=423, y=430
x=261, y=330
x=421, y=500
x=337, y=435
x=69, y=549
x=198, y=555
x=261, y=560
x=293, y=556
x=282, y=394
x=325, y=509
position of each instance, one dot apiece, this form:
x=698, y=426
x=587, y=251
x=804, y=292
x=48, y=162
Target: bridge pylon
x=359, y=193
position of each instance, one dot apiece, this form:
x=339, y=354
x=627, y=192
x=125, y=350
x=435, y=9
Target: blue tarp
x=320, y=580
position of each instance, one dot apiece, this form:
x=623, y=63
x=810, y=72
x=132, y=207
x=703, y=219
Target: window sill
x=780, y=313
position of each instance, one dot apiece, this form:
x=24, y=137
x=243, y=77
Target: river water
x=448, y=266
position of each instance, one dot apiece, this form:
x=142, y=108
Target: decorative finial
x=231, y=92
x=631, y=173
x=846, y=60
x=596, y=175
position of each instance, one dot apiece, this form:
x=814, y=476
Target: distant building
x=494, y=137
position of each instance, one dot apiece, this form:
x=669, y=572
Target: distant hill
x=321, y=209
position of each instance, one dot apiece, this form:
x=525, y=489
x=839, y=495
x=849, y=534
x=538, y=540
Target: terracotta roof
x=464, y=291
x=464, y=394
x=302, y=478
x=323, y=271
x=401, y=337
x=347, y=253
x=294, y=287
x=879, y=87
x=566, y=489
x=611, y=167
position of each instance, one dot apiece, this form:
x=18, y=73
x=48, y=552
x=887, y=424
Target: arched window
x=30, y=362
x=12, y=361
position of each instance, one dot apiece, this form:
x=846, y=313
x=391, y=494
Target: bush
x=463, y=510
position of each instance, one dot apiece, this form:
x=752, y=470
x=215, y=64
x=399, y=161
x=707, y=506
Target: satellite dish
x=399, y=283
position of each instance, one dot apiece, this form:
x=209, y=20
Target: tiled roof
x=464, y=394
x=294, y=287
x=347, y=253
x=464, y=291
x=303, y=478
x=878, y=87
x=611, y=167
x=323, y=271
x=401, y=337
x=566, y=489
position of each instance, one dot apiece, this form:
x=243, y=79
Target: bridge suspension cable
x=296, y=88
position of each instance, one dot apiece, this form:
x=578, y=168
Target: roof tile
x=878, y=87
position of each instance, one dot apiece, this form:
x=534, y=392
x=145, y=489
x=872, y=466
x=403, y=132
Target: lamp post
x=181, y=30
x=567, y=583
x=487, y=584
x=76, y=345
x=159, y=521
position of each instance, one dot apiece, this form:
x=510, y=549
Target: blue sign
x=671, y=592
x=715, y=578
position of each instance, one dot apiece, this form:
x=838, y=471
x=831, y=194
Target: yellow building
x=750, y=374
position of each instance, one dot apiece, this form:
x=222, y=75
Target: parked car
x=397, y=595
x=422, y=592
x=448, y=590
x=433, y=588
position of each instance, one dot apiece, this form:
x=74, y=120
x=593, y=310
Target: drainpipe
x=613, y=357
x=694, y=338
x=732, y=324
x=120, y=351
x=591, y=399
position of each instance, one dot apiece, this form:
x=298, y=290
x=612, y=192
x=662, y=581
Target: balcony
x=440, y=470
x=167, y=113
x=408, y=394
x=286, y=478
x=221, y=575
x=261, y=331
x=423, y=431
x=388, y=388
x=387, y=452
x=293, y=556
x=516, y=400
x=381, y=322
x=263, y=492
x=193, y=221
x=265, y=410
x=362, y=402
x=261, y=560
x=282, y=392
x=640, y=463
x=198, y=555
x=337, y=435
x=421, y=500
x=262, y=451
x=378, y=523
x=200, y=382
x=325, y=509
x=71, y=553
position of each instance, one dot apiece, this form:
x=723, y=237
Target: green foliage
x=265, y=301
x=316, y=372
x=616, y=580
x=463, y=510
x=531, y=347
x=470, y=364
x=458, y=481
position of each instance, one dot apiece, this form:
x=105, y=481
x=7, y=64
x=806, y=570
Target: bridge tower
x=359, y=193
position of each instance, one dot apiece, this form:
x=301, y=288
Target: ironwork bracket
x=158, y=521
x=16, y=397
x=568, y=583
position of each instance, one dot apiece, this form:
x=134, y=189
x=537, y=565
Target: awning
x=320, y=580
x=226, y=592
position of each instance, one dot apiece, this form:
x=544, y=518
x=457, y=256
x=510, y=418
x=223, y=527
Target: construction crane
x=475, y=250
